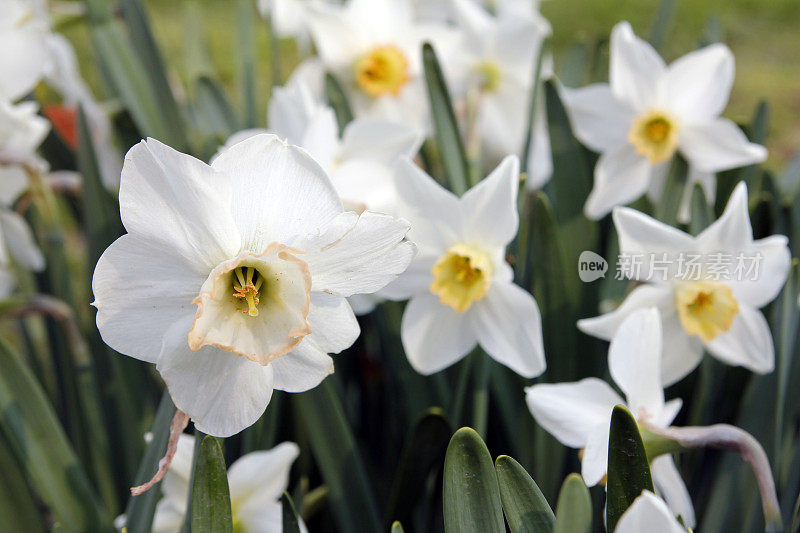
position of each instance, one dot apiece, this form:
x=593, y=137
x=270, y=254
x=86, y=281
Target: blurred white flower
x=700, y=306
x=360, y=163
x=374, y=49
x=579, y=414
x=24, y=49
x=63, y=74
x=259, y=244
x=256, y=482
x=495, y=68
x=460, y=286
x=648, y=513
x=650, y=111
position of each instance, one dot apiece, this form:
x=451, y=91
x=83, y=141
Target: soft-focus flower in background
x=579, y=414
x=702, y=305
x=259, y=243
x=648, y=513
x=649, y=112
x=373, y=48
x=494, y=70
x=24, y=56
x=460, y=287
x=256, y=481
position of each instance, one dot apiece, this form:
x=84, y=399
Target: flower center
x=489, y=76
x=382, y=71
x=246, y=283
x=461, y=276
x=706, y=308
x=254, y=305
x=655, y=135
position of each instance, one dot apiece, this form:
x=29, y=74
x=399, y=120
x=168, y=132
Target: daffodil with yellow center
x=578, y=414
x=382, y=71
x=655, y=135
x=233, y=277
x=714, y=309
x=706, y=308
x=460, y=286
x=651, y=110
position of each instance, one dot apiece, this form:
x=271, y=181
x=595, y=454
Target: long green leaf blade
x=339, y=459
x=42, y=449
x=291, y=522
x=471, y=494
x=574, y=509
x=448, y=137
x=628, y=469
x=524, y=505
x=211, y=498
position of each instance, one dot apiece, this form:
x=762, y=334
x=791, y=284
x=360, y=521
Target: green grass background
x=202, y=36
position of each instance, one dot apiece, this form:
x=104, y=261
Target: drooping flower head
x=579, y=414
x=708, y=288
x=460, y=285
x=650, y=111
x=233, y=277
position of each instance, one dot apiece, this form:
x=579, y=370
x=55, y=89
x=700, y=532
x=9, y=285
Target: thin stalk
x=480, y=392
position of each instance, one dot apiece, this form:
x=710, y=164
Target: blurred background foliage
x=761, y=33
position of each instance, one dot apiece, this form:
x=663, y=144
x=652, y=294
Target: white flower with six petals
x=233, y=277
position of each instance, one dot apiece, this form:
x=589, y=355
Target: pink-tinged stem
x=727, y=437
x=176, y=427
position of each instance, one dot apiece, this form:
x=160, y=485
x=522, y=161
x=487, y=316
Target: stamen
x=247, y=289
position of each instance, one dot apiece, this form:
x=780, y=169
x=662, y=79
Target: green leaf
x=143, y=42
x=661, y=23
x=215, y=115
x=667, y=209
x=471, y=494
x=628, y=470
x=422, y=453
x=18, y=510
x=291, y=522
x=796, y=517
x=42, y=449
x=149, y=102
x=339, y=459
x=533, y=105
x=702, y=212
x=337, y=99
x=574, y=509
x=525, y=507
x=785, y=341
x=140, y=509
x=247, y=62
x=448, y=136
x=211, y=499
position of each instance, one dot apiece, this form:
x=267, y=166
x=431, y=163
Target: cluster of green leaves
x=375, y=438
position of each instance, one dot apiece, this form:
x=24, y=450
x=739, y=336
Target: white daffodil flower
x=648, y=112
x=360, y=164
x=256, y=482
x=460, y=287
x=708, y=288
x=373, y=47
x=579, y=414
x=495, y=69
x=23, y=42
x=648, y=513
x=233, y=277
